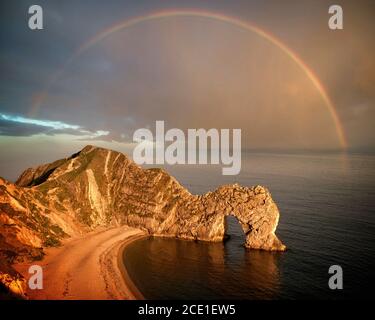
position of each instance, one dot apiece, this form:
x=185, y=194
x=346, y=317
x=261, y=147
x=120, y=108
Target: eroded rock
x=98, y=187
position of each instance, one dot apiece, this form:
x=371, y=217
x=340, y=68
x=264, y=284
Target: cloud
x=8, y=128
x=57, y=125
x=20, y=126
x=191, y=73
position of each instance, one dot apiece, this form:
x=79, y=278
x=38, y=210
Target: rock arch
x=150, y=199
x=255, y=211
x=232, y=227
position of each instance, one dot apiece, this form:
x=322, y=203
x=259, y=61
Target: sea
x=327, y=218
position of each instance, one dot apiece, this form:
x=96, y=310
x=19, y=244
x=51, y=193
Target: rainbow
x=218, y=17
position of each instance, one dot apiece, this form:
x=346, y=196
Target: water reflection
x=164, y=268
x=327, y=217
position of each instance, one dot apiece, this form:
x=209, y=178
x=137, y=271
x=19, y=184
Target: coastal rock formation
x=99, y=187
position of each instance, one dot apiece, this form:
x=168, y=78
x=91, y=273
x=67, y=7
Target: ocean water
x=327, y=217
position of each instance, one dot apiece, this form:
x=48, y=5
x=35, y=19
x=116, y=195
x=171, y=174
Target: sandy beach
x=88, y=268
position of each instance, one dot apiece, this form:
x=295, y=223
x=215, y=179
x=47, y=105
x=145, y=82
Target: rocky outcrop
x=99, y=187
x=12, y=284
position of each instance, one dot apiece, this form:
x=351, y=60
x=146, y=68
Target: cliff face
x=99, y=187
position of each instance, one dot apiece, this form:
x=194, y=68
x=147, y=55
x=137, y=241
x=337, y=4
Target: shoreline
x=89, y=267
x=128, y=282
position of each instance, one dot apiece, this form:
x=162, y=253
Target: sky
x=58, y=95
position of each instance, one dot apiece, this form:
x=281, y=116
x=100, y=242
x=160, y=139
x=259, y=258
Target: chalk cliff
x=99, y=187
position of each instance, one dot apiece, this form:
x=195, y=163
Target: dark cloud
x=8, y=128
x=21, y=128
x=190, y=73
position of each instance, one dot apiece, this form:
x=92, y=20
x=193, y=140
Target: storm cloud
x=191, y=72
